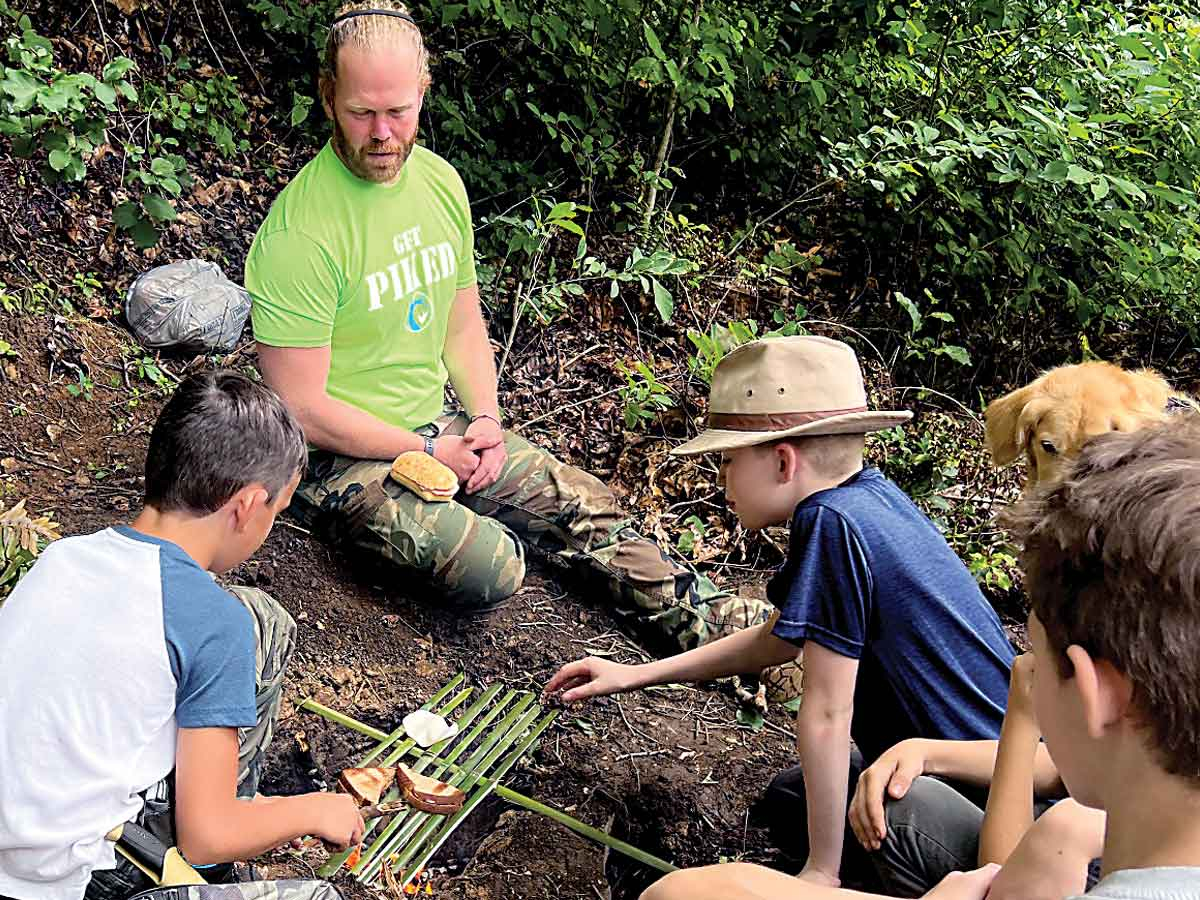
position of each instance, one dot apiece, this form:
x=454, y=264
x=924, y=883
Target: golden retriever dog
x=1051, y=418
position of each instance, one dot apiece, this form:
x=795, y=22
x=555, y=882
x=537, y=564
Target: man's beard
x=358, y=161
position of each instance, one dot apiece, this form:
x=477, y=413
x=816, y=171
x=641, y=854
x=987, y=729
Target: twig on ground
x=563, y=409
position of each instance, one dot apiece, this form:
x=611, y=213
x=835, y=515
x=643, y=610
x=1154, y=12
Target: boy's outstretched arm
x=1009, y=811
x=213, y=826
x=748, y=651
x=823, y=741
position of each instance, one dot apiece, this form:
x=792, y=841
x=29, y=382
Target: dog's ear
x=1004, y=437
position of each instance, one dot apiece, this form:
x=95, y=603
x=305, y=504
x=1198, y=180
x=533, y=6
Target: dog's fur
x=1051, y=418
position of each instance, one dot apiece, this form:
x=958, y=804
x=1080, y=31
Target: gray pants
x=275, y=640
x=932, y=831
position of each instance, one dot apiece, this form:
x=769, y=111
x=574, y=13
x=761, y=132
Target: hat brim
x=715, y=440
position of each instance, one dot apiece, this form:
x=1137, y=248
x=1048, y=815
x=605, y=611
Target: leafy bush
x=66, y=120
x=1042, y=154
x=1035, y=156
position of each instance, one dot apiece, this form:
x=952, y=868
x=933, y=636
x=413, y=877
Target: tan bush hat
x=785, y=387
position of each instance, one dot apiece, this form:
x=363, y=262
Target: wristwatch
x=429, y=445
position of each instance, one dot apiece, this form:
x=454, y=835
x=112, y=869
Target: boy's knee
x=274, y=627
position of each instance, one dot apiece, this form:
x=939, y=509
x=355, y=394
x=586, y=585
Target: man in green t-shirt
x=366, y=304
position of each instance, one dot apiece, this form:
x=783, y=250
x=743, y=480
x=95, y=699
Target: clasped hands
x=476, y=456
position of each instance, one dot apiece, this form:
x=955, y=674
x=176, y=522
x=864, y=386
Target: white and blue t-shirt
x=869, y=577
x=109, y=644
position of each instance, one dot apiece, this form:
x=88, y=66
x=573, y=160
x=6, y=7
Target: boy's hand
x=965, y=885
x=1020, y=688
x=337, y=820
x=591, y=677
x=891, y=775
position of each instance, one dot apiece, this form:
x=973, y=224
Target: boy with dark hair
x=136, y=689
x=1111, y=557
x=898, y=642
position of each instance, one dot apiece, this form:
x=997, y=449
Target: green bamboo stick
x=332, y=715
x=518, y=799
x=458, y=749
x=429, y=826
x=335, y=862
x=448, y=828
x=403, y=827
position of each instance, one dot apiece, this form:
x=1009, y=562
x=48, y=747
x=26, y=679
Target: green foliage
x=1029, y=156
x=67, y=120
x=921, y=344
x=711, y=346
x=643, y=394
x=58, y=116
x=692, y=535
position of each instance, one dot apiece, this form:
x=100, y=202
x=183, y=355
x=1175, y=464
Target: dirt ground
x=668, y=770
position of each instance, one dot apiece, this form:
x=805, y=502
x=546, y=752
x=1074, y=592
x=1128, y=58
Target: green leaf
x=818, y=92
x=21, y=86
x=145, y=234
x=126, y=215
x=128, y=91
x=652, y=40
x=451, y=12
x=59, y=160
x=751, y=717
x=163, y=168
x=301, y=105
x=568, y=225
x=911, y=308
x=1079, y=175
x=117, y=68
x=1100, y=188
x=105, y=93
x=159, y=208
x=956, y=353
x=663, y=301
x=53, y=99
x=1055, y=171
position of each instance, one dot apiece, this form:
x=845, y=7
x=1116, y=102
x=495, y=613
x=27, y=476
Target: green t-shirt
x=371, y=271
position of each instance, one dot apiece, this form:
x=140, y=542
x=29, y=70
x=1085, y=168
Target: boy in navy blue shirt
x=898, y=642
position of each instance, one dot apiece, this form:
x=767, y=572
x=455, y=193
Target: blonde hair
x=368, y=33
x=830, y=455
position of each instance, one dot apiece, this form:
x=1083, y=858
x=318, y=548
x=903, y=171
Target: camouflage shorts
x=472, y=549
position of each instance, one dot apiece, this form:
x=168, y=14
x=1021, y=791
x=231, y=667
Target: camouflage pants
x=275, y=639
x=472, y=549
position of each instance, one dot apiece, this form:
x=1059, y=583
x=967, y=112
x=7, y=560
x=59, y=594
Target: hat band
x=773, y=421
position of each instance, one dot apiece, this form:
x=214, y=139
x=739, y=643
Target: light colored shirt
x=110, y=643
x=370, y=271
x=1165, y=883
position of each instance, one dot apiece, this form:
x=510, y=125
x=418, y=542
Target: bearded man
x=366, y=304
